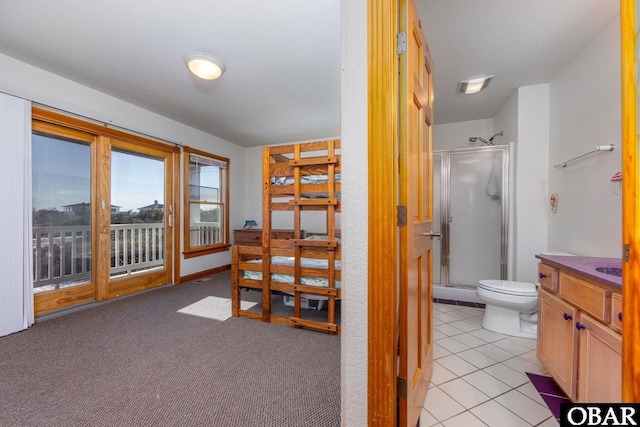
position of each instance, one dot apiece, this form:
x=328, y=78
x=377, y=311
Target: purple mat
x=550, y=392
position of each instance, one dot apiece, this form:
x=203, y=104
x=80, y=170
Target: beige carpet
x=170, y=357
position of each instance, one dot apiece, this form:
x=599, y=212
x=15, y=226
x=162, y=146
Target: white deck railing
x=62, y=254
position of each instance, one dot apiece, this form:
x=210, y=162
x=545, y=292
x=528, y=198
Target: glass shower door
x=475, y=219
x=470, y=207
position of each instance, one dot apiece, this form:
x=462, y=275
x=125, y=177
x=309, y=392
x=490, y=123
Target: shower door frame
x=445, y=205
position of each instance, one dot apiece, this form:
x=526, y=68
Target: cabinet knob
x=542, y=275
x=580, y=326
x=620, y=316
x=567, y=316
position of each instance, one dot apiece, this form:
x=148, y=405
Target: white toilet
x=511, y=307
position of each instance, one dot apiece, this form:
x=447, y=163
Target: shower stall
x=470, y=207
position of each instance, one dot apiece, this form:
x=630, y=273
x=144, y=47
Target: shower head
x=484, y=141
x=481, y=139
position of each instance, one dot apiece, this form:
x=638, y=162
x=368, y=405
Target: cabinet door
x=600, y=362
x=557, y=340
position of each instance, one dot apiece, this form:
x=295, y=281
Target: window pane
x=206, y=224
x=204, y=182
x=137, y=213
x=61, y=212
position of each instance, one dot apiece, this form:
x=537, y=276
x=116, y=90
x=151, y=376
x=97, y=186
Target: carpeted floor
x=170, y=357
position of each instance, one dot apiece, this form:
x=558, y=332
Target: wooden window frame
x=189, y=251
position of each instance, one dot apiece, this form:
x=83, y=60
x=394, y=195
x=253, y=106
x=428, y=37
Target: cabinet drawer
x=548, y=277
x=616, y=312
x=590, y=298
x=248, y=237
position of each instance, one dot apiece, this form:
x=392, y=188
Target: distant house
x=84, y=208
x=155, y=206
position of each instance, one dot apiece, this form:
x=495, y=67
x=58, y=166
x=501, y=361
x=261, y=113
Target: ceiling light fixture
x=472, y=86
x=204, y=65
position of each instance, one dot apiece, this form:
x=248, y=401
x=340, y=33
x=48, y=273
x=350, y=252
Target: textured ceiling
x=282, y=57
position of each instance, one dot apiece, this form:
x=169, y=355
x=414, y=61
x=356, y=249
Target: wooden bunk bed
x=297, y=178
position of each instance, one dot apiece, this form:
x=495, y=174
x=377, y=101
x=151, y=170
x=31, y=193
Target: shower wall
x=470, y=205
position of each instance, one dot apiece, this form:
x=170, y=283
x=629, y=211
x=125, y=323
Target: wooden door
x=415, y=216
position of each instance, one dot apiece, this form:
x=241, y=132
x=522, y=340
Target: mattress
x=289, y=278
x=304, y=179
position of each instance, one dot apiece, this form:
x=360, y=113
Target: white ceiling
x=282, y=57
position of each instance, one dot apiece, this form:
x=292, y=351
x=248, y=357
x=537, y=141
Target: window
x=206, y=180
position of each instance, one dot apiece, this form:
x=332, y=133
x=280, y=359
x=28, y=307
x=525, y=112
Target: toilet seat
x=508, y=287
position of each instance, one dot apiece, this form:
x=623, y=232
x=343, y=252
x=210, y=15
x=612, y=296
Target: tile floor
x=479, y=376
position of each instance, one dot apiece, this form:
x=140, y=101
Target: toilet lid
x=509, y=287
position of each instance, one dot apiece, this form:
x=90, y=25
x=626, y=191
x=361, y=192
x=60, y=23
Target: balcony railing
x=62, y=254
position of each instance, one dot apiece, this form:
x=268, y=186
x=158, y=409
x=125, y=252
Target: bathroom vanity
x=580, y=325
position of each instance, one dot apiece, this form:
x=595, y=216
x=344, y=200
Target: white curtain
x=16, y=252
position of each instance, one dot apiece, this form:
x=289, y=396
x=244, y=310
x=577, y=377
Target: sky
x=61, y=174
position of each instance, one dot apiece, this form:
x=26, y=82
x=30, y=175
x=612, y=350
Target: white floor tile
x=443, y=308
x=436, y=322
x=496, y=415
x=441, y=405
x=506, y=375
x=447, y=330
x=521, y=365
x=441, y=374
x=533, y=358
x=476, y=358
x=525, y=342
x=489, y=385
x=439, y=351
x=530, y=391
x=494, y=352
x=452, y=345
x=437, y=335
x=475, y=321
x=551, y=422
x=426, y=419
x=464, y=393
x=465, y=419
x=487, y=335
x=469, y=340
x=445, y=317
x=524, y=407
x=460, y=314
x=511, y=347
x=457, y=365
x=474, y=311
x=465, y=326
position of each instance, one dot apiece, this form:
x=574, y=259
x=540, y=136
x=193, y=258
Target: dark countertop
x=586, y=266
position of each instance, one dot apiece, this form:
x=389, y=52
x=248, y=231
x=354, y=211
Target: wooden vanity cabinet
x=578, y=341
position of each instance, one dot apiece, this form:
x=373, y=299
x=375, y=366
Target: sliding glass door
x=102, y=215
x=140, y=218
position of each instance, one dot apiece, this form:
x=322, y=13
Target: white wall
x=531, y=192
x=506, y=121
x=354, y=318
x=26, y=81
x=456, y=135
x=585, y=106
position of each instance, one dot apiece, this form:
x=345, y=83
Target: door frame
x=630, y=205
x=383, y=268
